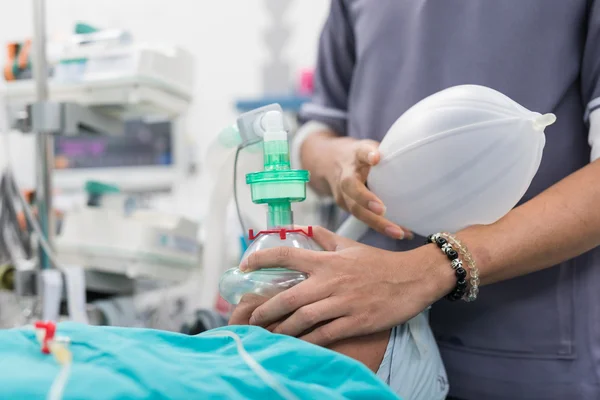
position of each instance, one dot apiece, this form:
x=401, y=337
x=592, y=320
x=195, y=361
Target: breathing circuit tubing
x=235, y=191
x=262, y=373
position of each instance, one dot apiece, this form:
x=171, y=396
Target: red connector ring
x=282, y=232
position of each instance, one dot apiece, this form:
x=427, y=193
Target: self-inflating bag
x=463, y=156
x=460, y=157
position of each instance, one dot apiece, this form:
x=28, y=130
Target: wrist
x=327, y=168
x=438, y=276
x=477, y=238
x=341, y=152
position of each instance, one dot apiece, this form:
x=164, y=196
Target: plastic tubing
x=214, y=242
x=63, y=356
x=262, y=373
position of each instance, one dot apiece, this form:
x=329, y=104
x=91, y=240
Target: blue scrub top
x=534, y=337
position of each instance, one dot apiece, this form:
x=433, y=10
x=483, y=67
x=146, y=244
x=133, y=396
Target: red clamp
x=49, y=328
x=282, y=232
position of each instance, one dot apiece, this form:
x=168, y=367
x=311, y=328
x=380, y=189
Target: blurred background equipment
x=104, y=104
x=118, y=104
x=107, y=152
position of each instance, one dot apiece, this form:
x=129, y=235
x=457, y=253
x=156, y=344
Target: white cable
x=60, y=382
x=262, y=373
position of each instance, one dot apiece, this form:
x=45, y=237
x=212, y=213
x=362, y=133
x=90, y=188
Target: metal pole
x=44, y=140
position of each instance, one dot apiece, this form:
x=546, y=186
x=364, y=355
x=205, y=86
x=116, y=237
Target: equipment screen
x=142, y=144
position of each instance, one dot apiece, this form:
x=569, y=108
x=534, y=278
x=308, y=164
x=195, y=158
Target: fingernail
x=371, y=157
x=252, y=321
x=394, y=232
x=376, y=207
x=244, y=266
x=409, y=236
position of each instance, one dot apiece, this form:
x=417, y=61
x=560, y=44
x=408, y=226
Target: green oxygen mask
x=277, y=186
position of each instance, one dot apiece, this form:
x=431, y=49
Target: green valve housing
x=278, y=185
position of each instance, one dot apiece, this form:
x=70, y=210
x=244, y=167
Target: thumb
x=367, y=152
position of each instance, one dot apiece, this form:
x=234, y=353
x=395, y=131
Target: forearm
x=559, y=224
x=316, y=156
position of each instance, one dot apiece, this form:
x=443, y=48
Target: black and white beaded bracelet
x=462, y=286
x=471, y=266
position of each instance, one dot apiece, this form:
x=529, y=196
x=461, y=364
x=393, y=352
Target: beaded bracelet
x=460, y=290
x=473, y=271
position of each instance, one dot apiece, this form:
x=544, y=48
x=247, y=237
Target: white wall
x=224, y=35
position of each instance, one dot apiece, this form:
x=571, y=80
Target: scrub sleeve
x=590, y=85
x=590, y=67
x=333, y=75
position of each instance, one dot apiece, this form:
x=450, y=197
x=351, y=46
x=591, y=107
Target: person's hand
x=244, y=309
x=353, y=160
x=352, y=289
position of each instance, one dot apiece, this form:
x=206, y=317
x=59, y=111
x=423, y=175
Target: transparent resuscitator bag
x=463, y=156
x=266, y=282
